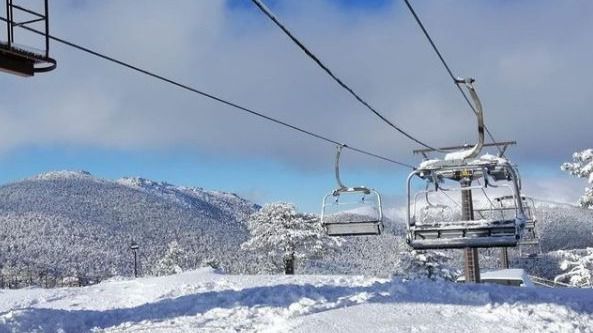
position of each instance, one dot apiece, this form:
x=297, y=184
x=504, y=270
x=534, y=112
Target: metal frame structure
x=494, y=229
x=344, y=223
x=21, y=60
x=463, y=167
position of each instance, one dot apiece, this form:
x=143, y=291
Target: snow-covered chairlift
x=464, y=171
x=351, y=211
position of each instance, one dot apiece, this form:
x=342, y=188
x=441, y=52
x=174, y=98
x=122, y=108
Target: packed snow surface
x=206, y=301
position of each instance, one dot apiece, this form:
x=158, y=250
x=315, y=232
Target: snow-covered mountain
x=70, y=223
x=65, y=223
x=563, y=226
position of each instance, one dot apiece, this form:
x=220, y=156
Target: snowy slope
x=206, y=301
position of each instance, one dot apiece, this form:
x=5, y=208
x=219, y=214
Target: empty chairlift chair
x=351, y=211
x=462, y=174
x=492, y=227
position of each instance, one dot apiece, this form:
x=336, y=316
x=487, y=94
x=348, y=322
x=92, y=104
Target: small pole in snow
x=134, y=247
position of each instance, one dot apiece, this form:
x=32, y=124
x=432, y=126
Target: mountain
x=70, y=223
x=563, y=226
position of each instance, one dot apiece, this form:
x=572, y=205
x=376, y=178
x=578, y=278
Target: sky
x=531, y=61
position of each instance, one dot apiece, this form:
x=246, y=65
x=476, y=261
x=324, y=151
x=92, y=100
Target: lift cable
x=449, y=71
x=215, y=98
x=264, y=9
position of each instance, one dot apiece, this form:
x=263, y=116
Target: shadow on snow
x=282, y=296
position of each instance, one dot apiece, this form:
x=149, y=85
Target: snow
x=458, y=155
x=458, y=158
x=507, y=275
x=429, y=163
x=206, y=301
x=582, y=166
x=512, y=274
x=64, y=174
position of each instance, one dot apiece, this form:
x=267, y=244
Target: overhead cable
x=264, y=9
x=449, y=71
x=213, y=97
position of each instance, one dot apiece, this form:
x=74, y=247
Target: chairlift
x=462, y=171
x=351, y=211
x=25, y=60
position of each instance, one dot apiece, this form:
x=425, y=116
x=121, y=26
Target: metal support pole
x=8, y=23
x=472, y=264
x=135, y=265
x=504, y=257
x=134, y=247
x=11, y=23
x=46, y=30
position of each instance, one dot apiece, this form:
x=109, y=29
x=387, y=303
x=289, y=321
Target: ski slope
x=206, y=301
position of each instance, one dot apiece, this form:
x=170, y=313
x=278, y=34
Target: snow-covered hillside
x=72, y=224
x=67, y=224
x=564, y=227
x=206, y=301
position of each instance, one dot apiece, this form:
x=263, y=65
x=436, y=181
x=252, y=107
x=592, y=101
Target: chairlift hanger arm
x=463, y=153
x=341, y=187
x=479, y=112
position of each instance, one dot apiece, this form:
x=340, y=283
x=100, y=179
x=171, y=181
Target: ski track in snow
x=206, y=301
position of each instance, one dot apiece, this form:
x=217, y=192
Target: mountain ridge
x=73, y=223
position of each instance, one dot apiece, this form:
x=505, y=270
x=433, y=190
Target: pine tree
x=282, y=235
x=578, y=267
x=425, y=265
x=582, y=167
x=172, y=261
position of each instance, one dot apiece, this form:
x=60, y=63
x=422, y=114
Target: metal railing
x=538, y=281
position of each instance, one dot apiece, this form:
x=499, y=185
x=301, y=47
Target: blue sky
x=94, y=116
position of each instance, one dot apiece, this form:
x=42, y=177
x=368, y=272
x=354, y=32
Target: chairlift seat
x=462, y=234
x=365, y=228
x=23, y=62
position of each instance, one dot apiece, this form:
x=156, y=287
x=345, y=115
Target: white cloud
x=534, y=78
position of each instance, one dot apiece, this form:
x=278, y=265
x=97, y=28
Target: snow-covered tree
x=425, y=265
x=582, y=166
x=172, y=261
x=578, y=267
x=280, y=234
